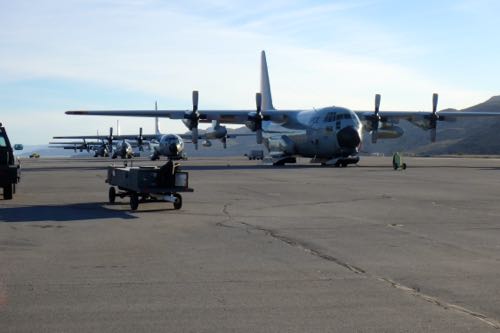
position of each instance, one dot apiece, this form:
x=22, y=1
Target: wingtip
x=76, y=112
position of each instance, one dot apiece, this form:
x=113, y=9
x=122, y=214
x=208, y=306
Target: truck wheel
x=7, y=192
x=112, y=195
x=404, y=166
x=178, y=201
x=134, y=201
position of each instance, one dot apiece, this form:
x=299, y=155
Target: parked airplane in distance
x=330, y=135
x=167, y=145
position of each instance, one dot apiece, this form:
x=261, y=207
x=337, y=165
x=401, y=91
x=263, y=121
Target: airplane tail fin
x=157, y=122
x=265, y=86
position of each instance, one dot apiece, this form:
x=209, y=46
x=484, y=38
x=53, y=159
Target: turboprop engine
x=389, y=131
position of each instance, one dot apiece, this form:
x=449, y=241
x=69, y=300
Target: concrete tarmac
x=256, y=249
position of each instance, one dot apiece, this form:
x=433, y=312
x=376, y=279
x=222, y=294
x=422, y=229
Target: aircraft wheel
x=178, y=201
x=7, y=192
x=134, y=201
x=112, y=195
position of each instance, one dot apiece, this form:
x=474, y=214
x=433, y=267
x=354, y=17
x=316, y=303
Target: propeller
x=375, y=118
x=433, y=117
x=255, y=118
x=86, y=146
x=192, y=120
x=224, y=141
x=110, y=139
x=140, y=140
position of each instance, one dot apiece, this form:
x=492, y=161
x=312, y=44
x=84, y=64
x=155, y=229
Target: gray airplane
x=168, y=145
x=330, y=135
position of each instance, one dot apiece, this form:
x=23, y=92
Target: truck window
x=2, y=142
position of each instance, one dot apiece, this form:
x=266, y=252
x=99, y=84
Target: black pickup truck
x=10, y=172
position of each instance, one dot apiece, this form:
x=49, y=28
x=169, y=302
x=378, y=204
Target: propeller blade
x=375, y=119
x=195, y=100
x=224, y=142
x=258, y=135
x=374, y=135
x=258, y=102
x=194, y=136
x=377, y=103
x=435, y=98
x=433, y=134
x=110, y=139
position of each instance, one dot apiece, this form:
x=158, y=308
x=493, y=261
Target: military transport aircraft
x=330, y=135
x=168, y=145
x=100, y=148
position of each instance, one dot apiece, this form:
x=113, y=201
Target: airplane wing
x=115, y=137
x=75, y=147
x=203, y=136
x=421, y=115
x=425, y=120
x=83, y=137
x=205, y=116
x=96, y=143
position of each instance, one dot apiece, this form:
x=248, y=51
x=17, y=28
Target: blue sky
x=85, y=54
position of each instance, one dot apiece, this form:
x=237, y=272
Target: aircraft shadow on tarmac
x=63, y=213
x=245, y=167
x=62, y=168
x=314, y=166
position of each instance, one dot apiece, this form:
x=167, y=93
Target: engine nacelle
x=188, y=123
x=390, y=132
x=251, y=125
x=217, y=132
x=281, y=144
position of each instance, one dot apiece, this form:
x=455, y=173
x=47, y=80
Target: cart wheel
x=404, y=166
x=112, y=195
x=134, y=201
x=7, y=192
x=178, y=201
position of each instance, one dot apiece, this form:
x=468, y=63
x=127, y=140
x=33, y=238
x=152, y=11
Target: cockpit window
x=344, y=116
x=330, y=117
x=2, y=142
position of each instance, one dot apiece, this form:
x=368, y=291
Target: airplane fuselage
x=169, y=145
x=324, y=134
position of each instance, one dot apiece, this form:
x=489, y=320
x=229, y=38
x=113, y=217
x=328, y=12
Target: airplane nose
x=173, y=149
x=348, y=138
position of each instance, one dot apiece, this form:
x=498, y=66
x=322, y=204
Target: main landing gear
x=341, y=162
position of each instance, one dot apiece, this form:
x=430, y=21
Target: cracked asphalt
x=256, y=249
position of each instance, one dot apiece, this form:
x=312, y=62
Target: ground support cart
x=144, y=184
x=397, y=162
